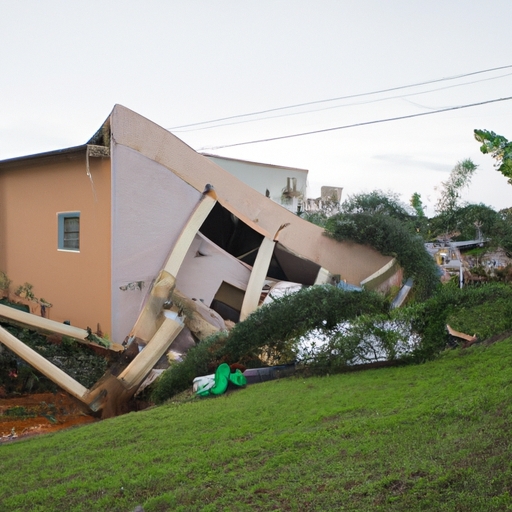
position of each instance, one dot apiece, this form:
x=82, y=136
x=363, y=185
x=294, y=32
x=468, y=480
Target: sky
x=64, y=65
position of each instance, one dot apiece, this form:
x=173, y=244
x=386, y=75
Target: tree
x=417, y=204
x=500, y=149
x=421, y=221
x=377, y=202
x=460, y=177
x=372, y=203
x=449, y=200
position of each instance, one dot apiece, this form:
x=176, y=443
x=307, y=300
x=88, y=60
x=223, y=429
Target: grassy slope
x=429, y=437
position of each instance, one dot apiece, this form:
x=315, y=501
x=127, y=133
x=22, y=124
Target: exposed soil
x=42, y=413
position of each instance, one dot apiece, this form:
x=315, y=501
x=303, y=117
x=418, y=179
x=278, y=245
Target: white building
x=284, y=185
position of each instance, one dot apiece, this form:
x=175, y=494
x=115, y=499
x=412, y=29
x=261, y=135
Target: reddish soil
x=30, y=415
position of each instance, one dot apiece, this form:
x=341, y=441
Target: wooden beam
x=259, y=273
x=138, y=369
x=257, y=278
x=179, y=251
x=461, y=335
x=151, y=318
x=111, y=394
x=45, y=325
x=41, y=364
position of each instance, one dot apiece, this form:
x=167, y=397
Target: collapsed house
x=136, y=233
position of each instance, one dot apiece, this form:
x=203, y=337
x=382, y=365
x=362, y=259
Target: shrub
x=270, y=333
x=78, y=361
x=391, y=237
x=483, y=304
x=365, y=339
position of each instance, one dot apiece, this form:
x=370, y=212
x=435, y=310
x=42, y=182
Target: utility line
x=365, y=102
x=377, y=121
x=343, y=97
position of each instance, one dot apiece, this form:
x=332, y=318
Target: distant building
x=329, y=200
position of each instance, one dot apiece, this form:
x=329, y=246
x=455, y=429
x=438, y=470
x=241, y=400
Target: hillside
x=428, y=437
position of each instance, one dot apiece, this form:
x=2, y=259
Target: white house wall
x=150, y=207
x=262, y=177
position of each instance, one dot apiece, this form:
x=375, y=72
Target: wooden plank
x=257, y=278
x=150, y=318
x=188, y=233
x=258, y=274
x=460, y=335
x=48, y=369
x=137, y=370
x=45, y=325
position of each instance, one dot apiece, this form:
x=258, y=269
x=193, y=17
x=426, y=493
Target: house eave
x=49, y=156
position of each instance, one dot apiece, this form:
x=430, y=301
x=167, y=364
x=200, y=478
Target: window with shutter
x=69, y=231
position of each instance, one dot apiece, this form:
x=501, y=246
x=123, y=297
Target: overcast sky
x=64, y=64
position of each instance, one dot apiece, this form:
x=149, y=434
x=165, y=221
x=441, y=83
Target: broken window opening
x=237, y=238
x=228, y=302
x=241, y=241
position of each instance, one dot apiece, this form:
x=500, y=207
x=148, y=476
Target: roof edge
x=48, y=155
x=261, y=164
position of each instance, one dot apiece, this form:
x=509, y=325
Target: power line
x=377, y=121
x=455, y=77
x=366, y=102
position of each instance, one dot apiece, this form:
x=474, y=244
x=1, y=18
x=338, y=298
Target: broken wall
x=150, y=207
x=353, y=262
x=206, y=267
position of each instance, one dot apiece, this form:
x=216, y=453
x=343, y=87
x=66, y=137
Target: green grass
x=433, y=437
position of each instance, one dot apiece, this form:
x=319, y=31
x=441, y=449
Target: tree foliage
x=377, y=202
x=451, y=193
x=391, y=237
x=499, y=148
x=460, y=177
x=472, y=220
x=318, y=218
x=417, y=204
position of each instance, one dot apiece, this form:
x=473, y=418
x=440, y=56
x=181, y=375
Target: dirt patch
x=29, y=415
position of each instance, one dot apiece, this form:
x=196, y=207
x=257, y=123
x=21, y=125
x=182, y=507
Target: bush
x=351, y=328
x=415, y=333
x=363, y=340
x=390, y=237
x=270, y=333
x=180, y=375
x=487, y=305
x=77, y=360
